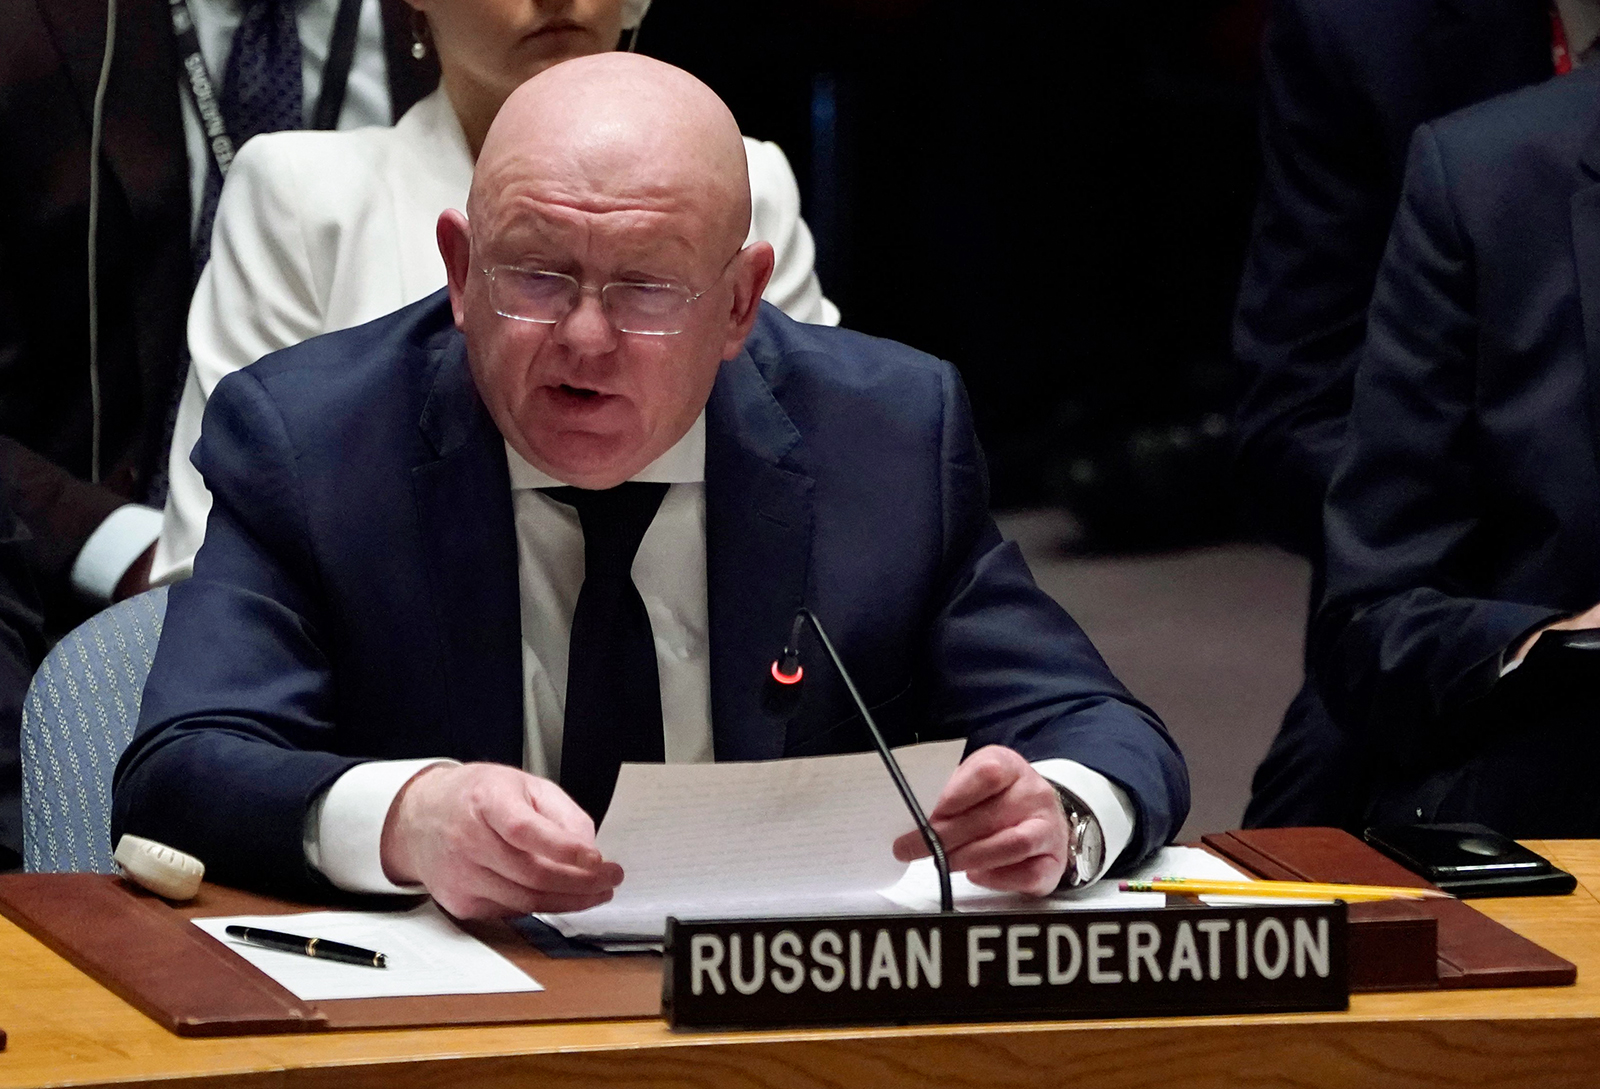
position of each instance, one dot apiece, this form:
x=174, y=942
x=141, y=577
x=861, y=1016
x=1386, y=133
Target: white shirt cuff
x=113, y=547
x=343, y=837
x=1108, y=803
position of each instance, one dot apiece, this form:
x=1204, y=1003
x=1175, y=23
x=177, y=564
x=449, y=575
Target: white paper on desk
x=919, y=888
x=427, y=954
x=777, y=837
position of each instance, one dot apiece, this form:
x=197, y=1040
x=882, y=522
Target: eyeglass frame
x=599, y=292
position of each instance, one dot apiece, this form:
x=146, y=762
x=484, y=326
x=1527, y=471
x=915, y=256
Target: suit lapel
x=758, y=552
x=144, y=141
x=1586, y=255
x=463, y=501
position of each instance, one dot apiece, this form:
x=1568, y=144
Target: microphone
x=787, y=670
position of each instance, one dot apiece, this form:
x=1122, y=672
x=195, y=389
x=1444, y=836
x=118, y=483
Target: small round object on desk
x=161, y=869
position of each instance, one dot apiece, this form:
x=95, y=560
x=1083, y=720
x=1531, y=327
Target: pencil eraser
x=159, y=868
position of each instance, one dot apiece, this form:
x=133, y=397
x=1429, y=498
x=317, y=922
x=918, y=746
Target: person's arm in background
x=1400, y=642
x=775, y=218
x=80, y=535
x=21, y=648
x=258, y=293
x=84, y=539
x=1321, y=220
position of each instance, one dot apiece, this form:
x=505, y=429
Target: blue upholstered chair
x=77, y=718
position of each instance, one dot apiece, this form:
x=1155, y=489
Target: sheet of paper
x=427, y=954
x=778, y=837
x=918, y=890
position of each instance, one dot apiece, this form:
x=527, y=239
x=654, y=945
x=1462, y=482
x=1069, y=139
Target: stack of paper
x=783, y=837
x=798, y=837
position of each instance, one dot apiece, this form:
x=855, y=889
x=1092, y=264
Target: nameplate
x=907, y=969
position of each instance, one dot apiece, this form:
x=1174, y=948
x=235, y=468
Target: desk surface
x=66, y=1030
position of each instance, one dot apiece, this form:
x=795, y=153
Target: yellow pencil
x=1280, y=890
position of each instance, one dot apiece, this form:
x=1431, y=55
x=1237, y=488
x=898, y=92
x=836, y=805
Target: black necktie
x=262, y=91
x=613, y=709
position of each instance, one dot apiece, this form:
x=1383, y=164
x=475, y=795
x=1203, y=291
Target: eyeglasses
x=536, y=295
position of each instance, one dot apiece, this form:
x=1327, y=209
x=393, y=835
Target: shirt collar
x=439, y=130
x=1580, y=19
x=683, y=463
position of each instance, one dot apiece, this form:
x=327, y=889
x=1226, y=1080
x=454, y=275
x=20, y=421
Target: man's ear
x=455, y=246
x=751, y=269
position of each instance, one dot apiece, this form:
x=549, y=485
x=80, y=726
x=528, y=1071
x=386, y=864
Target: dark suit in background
x=21, y=648
x=1466, y=512
x=50, y=56
x=1345, y=84
x=357, y=594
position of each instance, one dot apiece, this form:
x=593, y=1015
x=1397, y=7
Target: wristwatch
x=1086, y=850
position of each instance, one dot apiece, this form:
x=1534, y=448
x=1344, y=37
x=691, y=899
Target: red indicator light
x=787, y=678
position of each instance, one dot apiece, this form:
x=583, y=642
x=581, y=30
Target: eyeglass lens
x=547, y=297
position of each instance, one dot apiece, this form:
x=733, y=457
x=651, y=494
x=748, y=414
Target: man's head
x=607, y=169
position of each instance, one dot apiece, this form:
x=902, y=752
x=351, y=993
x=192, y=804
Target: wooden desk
x=66, y=1030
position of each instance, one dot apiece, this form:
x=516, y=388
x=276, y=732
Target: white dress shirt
x=344, y=828
x=122, y=538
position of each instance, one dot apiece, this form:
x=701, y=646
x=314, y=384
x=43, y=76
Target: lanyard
x=203, y=89
x=202, y=92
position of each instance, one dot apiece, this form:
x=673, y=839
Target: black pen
x=320, y=948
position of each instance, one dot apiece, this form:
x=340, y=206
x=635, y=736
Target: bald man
x=465, y=560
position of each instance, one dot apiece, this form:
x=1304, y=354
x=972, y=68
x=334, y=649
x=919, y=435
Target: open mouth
x=580, y=399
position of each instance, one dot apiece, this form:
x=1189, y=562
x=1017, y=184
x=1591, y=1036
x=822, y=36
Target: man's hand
x=1001, y=821
x=488, y=840
x=1590, y=619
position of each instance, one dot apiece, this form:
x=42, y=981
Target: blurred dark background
x=1055, y=197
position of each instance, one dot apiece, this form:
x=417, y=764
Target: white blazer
x=318, y=231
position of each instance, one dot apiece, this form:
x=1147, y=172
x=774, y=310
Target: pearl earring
x=419, y=35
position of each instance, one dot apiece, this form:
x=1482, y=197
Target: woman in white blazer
x=318, y=231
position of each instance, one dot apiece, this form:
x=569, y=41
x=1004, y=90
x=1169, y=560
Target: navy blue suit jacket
x=1345, y=83
x=1467, y=510
x=357, y=593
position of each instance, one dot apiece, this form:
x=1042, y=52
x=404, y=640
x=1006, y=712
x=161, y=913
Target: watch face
x=1091, y=847
x=1088, y=842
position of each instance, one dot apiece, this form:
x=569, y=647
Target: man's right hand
x=488, y=840
x=1590, y=619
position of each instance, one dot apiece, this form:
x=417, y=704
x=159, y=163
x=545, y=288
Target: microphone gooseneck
x=787, y=670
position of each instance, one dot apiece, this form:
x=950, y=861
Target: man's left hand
x=1001, y=822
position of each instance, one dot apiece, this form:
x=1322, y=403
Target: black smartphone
x=1471, y=860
